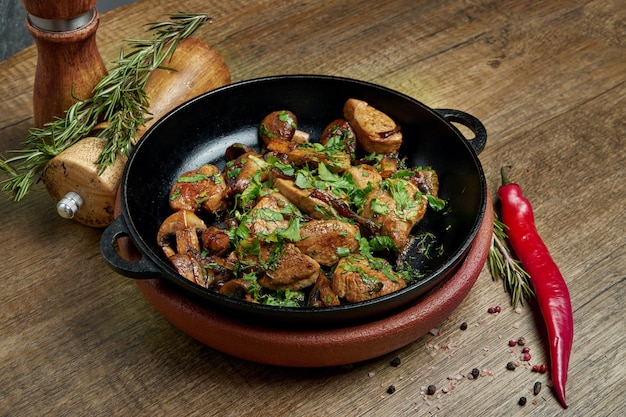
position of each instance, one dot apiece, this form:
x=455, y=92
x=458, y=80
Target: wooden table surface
x=548, y=80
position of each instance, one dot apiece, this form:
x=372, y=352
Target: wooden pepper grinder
x=72, y=177
x=68, y=63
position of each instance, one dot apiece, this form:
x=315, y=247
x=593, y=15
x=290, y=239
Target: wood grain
x=548, y=81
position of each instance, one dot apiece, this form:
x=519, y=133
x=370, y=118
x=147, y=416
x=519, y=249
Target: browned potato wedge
x=375, y=131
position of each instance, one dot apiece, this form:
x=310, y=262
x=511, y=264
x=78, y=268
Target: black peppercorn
x=511, y=366
x=475, y=373
x=431, y=389
x=537, y=388
x=395, y=362
x=391, y=389
x=464, y=326
x=522, y=401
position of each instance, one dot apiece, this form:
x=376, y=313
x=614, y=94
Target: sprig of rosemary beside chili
x=550, y=288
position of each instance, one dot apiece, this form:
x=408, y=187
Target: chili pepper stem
x=505, y=179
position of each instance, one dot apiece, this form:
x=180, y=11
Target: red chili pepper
x=550, y=288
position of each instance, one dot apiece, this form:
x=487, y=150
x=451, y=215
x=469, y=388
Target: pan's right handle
x=472, y=123
x=142, y=268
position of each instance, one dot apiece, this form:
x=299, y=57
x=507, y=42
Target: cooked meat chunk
x=397, y=206
x=323, y=240
x=270, y=213
x=375, y=131
x=337, y=161
x=364, y=175
x=201, y=188
x=285, y=267
x=357, y=279
x=310, y=205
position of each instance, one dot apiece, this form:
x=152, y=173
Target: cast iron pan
x=200, y=130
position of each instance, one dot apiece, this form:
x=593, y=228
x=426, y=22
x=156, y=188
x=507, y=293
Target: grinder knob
x=69, y=205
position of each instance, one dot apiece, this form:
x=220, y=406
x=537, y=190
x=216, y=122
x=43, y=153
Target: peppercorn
x=431, y=389
x=537, y=388
x=540, y=368
x=464, y=326
x=526, y=357
x=521, y=341
x=391, y=389
x=512, y=342
x=497, y=309
x=526, y=349
x=395, y=362
x=491, y=310
x=522, y=401
x=511, y=366
x=475, y=373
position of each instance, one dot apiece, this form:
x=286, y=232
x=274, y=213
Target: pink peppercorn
x=526, y=357
x=525, y=349
x=540, y=368
x=512, y=342
x=498, y=309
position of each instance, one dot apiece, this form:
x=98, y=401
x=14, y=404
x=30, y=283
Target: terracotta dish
x=320, y=347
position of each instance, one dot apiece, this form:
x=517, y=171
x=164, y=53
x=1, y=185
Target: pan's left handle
x=141, y=268
x=479, y=140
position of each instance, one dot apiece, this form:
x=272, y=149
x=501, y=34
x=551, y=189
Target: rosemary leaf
x=503, y=266
x=118, y=99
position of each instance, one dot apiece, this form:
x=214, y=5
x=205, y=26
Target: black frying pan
x=200, y=130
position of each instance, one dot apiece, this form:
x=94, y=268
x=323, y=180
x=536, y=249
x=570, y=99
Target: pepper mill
x=68, y=63
x=73, y=179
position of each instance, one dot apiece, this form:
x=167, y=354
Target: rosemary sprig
x=119, y=99
x=503, y=266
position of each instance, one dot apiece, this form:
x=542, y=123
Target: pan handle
x=480, y=133
x=141, y=268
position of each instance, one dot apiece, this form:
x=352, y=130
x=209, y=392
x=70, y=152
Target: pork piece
x=397, y=206
x=335, y=161
x=364, y=175
x=357, y=279
x=285, y=266
x=322, y=294
x=338, y=134
x=270, y=213
x=322, y=239
x=302, y=199
x=200, y=188
x=240, y=172
x=375, y=131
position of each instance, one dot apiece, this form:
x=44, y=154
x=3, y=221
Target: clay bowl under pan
x=318, y=347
